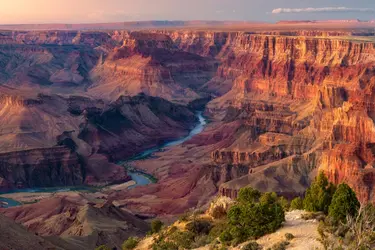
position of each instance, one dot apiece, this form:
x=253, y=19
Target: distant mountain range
x=141, y=25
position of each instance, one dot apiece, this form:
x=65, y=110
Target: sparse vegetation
x=289, y=236
x=164, y=245
x=252, y=246
x=199, y=227
x=248, y=195
x=344, y=203
x=253, y=217
x=130, y=243
x=318, y=196
x=156, y=226
x=296, y=204
x=284, y=203
x=279, y=246
x=343, y=225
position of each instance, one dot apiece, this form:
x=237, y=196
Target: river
x=196, y=130
x=141, y=179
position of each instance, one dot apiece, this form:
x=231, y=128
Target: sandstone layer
x=286, y=104
x=79, y=221
x=286, y=107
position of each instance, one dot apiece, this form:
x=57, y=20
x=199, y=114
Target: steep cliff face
x=291, y=105
x=326, y=83
x=133, y=124
x=278, y=95
x=56, y=166
x=50, y=140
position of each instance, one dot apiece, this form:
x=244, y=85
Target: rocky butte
x=284, y=104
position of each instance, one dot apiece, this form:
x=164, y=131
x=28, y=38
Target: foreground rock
x=78, y=221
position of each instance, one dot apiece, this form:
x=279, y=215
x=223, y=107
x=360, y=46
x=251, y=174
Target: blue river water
x=5, y=202
x=198, y=129
x=140, y=178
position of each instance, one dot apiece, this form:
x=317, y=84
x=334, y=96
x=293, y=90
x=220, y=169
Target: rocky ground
x=305, y=232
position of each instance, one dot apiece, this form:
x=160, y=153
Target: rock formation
x=286, y=104
x=78, y=221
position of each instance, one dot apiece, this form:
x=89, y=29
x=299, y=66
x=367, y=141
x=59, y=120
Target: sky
x=91, y=11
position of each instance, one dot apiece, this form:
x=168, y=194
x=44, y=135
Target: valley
x=142, y=124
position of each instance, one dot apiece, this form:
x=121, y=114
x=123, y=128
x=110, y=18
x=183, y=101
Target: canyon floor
x=276, y=103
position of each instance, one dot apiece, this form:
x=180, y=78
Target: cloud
x=324, y=9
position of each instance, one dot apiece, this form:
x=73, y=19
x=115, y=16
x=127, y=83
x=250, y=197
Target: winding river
x=140, y=178
x=198, y=129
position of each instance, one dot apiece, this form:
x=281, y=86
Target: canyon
x=281, y=105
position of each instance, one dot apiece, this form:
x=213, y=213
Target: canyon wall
x=51, y=140
x=303, y=97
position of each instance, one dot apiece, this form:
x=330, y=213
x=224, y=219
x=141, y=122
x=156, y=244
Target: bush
x=252, y=246
x=289, y=236
x=280, y=246
x=225, y=236
x=361, y=234
x=254, y=219
x=296, y=204
x=248, y=195
x=318, y=196
x=200, y=241
x=182, y=239
x=156, y=226
x=130, y=243
x=344, y=202
x=199, y=227
x=164, y=245
x=284, y=203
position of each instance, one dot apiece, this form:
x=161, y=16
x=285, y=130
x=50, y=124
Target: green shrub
x=252, y=246
x=248, y=194
x=289, y=236
x=156, y=226
x=199, y=227
x=268, y=198
x=182, y=239
x=217, y=229
x=226, y=236
x=130, y=243
x=280, y=245
x=164, y=245
x=200, y=241
x=318, y=196
x=344, y=202
x=296, y=204
x=251, y=220
x=284, y=203
x=102, y=247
